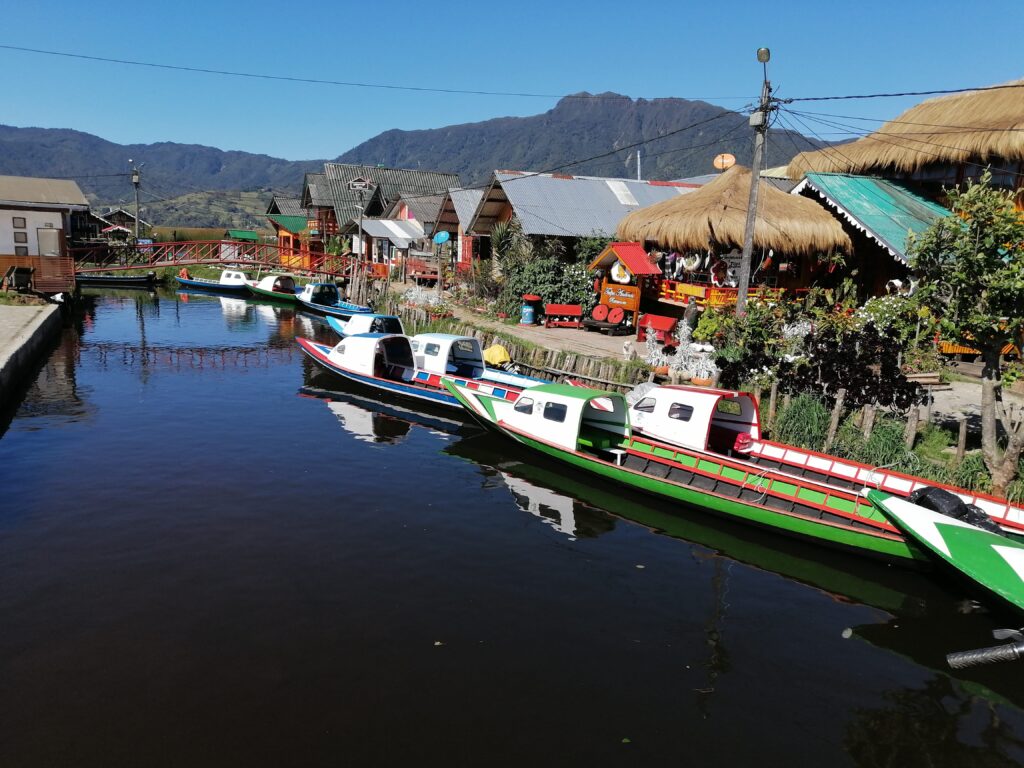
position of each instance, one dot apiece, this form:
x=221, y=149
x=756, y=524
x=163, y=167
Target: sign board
x=359, y=183
x=625, y=296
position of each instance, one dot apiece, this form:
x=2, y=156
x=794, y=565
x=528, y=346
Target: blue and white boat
x=325, y=299
x=366, y=323
x=414, y=367
x=231, y=281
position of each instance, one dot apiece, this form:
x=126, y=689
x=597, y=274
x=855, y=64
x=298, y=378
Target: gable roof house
x=35, y=225
x=454, y=217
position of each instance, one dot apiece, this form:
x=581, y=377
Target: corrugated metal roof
x=32, y=191
x=885, y=210
x=568, y=206
x=398, y=231
x=457, y=210
x=286, y=206
x=388, y=185
x=316, y=191
x=423, y=208
x=293, y=224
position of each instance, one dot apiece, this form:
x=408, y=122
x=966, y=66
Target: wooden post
x=837, y=412
x=772, y=397
x=961, y=440
x=911, y=434
x=868, y=420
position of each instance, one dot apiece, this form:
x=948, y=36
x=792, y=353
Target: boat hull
x=343, y=312
x=117, y=281
x=423, y=385
x=212, y=286
x=862, y=540
x=262, y=293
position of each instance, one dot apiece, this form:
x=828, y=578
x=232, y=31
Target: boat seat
x=599, y=439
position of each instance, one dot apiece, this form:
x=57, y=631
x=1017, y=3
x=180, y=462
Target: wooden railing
x=53, y=274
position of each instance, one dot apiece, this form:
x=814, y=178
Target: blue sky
x=642, y=49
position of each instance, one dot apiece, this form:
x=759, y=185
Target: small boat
x=276, y=287
x=590, y=430
x=710, y=423
x=988, y=558
x=414, y=367
x=231, y=281
x=366, y=323
x=324, y=298
x=147, y=281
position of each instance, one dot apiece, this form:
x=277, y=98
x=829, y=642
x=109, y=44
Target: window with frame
x=432, y=349
x=646, y=405
x=21, y=250
x=731, y=407
x=680, y=411
x=524, y=405
x=21, y=237
x=555, y=411
x=19, y=222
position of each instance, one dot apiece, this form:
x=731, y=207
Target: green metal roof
x=293, y=224
x=243, y=234
x=885, y=210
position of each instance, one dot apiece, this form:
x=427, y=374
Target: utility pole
x=136, y=178
x=759, y=122
x=638, y=176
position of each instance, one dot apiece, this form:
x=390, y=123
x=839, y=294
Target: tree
x=971, y=265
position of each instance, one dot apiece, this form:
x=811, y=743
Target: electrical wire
x=905, y=93
x=344, y=83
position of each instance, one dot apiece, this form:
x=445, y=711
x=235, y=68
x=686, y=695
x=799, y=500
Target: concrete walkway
x=24, y=331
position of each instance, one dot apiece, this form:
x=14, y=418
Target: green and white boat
x=992, y=560
x=590, y=430
x=275, y=287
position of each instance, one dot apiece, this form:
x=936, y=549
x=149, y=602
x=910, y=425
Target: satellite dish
x=724, y=161
x=441, y=237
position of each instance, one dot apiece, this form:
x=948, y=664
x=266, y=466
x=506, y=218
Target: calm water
x=211, y=553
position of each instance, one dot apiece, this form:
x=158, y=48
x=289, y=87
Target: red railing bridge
x=128, y=256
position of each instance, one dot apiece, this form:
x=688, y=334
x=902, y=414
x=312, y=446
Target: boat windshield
x=386, y=325
x=397, y=351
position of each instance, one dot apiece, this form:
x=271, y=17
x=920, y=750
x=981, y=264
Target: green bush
x=803, y=423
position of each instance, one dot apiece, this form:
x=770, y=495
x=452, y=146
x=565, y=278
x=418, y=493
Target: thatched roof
x=974, y=126
x=715, y=216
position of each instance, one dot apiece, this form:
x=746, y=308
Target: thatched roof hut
x=977, y=126
x=715, y=216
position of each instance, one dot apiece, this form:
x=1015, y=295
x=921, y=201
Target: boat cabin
x=233, y=277
x=277, y=284
x=324, y=294
x=445, y=353
x=716, y=420
x=573, y=418
x=386, y=356
x=367, y=323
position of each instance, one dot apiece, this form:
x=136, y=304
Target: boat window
x=555, y=411
x=732, y=407
x=397, y=352
x=415, y=345
x=386, y=325
x=680, y=411
x=524, y=405
x=646, y=405
x=464, y=349
x=431, y=349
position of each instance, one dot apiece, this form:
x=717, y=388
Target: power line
x=965, y=128
x=344, y=83
x=904, y=93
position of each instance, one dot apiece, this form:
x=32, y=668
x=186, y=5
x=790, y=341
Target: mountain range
x=578, y=127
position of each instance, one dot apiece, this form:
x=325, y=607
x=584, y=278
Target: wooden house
x=35, y=225
x=454, y=217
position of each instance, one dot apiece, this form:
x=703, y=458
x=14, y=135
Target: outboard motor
x=951, y=505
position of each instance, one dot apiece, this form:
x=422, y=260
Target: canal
x=212, y=553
